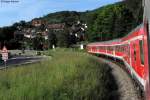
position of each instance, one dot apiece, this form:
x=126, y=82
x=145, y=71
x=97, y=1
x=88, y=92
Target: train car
x=129, y=49
x=133, y=50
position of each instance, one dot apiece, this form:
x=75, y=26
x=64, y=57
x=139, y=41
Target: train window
x=141, y=52
x=134, y=52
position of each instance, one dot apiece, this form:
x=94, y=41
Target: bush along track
x=67, y=76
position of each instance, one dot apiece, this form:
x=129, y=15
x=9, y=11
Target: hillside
x=104, y=23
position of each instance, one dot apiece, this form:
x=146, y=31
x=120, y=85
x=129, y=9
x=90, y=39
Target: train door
x=134, y=54
x=141, y=60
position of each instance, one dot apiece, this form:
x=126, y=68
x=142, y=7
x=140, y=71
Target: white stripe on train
x=124, y=42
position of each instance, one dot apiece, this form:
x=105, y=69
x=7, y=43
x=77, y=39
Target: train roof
x=116, y=41
x=106, y=42
x=135, y=29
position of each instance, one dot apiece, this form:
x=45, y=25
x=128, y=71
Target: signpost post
x=5, y=55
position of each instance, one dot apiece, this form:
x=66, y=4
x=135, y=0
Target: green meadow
x=68, y=75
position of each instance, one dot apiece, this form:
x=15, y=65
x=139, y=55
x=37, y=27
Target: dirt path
x=126, y=89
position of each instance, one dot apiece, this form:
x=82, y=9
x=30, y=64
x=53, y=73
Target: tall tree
x=109, y=22
x=52, y=39
x=38, y=42
x=63, y=38
x=135, y=6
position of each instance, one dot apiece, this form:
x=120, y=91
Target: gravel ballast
x=126, y=88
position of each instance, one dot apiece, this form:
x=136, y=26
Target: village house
x=38, y=22
x=56, y=27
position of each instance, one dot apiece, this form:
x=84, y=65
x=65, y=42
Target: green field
x=67, y=76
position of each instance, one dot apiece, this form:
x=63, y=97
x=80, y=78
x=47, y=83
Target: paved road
x=26, y=52
x=22, y=60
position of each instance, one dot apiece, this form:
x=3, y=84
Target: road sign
x=4, y=54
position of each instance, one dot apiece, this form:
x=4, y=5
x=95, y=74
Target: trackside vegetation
x=67, y=76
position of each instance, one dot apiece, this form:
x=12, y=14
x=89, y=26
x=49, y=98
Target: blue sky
x=29, y=9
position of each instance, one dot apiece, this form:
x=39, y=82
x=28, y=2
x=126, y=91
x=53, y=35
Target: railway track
x=127, y=88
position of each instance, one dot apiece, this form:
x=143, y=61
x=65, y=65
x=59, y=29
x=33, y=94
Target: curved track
x=126, y=87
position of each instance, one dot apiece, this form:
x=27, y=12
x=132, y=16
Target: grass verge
x=67, y=76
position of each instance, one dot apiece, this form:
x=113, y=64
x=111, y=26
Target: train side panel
x=130, y=49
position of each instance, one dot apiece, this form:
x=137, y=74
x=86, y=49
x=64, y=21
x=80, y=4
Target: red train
x=130, y=49
x=133, y=50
